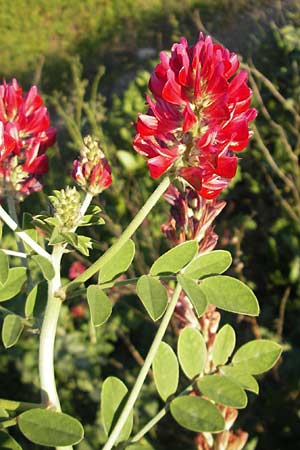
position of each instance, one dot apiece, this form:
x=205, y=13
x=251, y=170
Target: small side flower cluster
x=92, y=171
x=199, y=116
x=25, y=134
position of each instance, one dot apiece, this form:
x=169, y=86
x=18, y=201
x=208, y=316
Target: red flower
x=25, y=134
x=200, y=116
x=76, y=269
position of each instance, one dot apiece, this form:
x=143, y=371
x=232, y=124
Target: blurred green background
x=91, y=59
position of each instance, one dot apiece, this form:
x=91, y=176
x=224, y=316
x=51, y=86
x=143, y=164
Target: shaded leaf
x=11, y=330
x=212, y=263
x=165, y=371
x=36, y=300
x=7, y=442
x=197, y=414
x=45, y=266
x=113, y=397
x=194, y=293
x=244, y=379
x=224, y=345
x=16, y=279
x=118, y=264
x=230, y=294
x=4, y=267
x=257, y=356
x=50, y=428
x=175, y=259
x=222, y=390
x=99, y=304
x=153, y=295
x=192, y=353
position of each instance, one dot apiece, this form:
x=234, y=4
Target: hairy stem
x=144, y=371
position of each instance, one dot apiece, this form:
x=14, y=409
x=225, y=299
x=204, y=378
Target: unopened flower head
x=92, y=171
x=66, y=205
x=198, y=116
x=25, y=134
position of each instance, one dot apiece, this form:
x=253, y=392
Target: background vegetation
x=92, y=61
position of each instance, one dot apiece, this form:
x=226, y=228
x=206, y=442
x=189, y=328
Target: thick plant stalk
x=144, y=371
x=48, y=331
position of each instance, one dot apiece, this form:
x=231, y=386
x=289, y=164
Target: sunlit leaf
x=222, y=390
x=197, y=414
x=230, y=294
x=212, y=263
x=192, y=353
x=175, y=259
x=224, y=345
x=118, y=264
x=244, y=379
x=99, y=304
x=50, y=428
x=153, y=295
x=194, y=293
x=113, y=396
x=165, y=371
x=257, y=356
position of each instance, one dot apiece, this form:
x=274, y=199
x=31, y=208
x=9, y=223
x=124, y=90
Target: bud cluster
x=92, y=171
x=66, y=205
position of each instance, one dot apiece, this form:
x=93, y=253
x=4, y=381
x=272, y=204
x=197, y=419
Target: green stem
x=137, y=437
x=144, y=371
x=48, y=330
x=22, y=235
x=127, y=233
x=111, y=284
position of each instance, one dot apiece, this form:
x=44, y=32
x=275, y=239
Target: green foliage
x=257, y=356
x=7, y=442
x=230, y=294
x=11, y=330
x=99, y=304
x=212, y=263
x=222, y=390
x=153, y=295
x=175, y=259
x=45, y=265
x=49, y=428
x=192, y=353
x=197, y=414
x=244, y=379
x=118, y=264
x=4, y=267
x=14, y=283
x=165, y=371
x=36, y=300
x=113, y=395
x=223, y=345
x=194, y=293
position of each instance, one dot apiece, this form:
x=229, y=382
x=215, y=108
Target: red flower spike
x=25, y=134
x=198, y=117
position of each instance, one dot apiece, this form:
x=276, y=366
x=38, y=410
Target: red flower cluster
x=92, y=171
x=199, y=117
x=25, y=134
